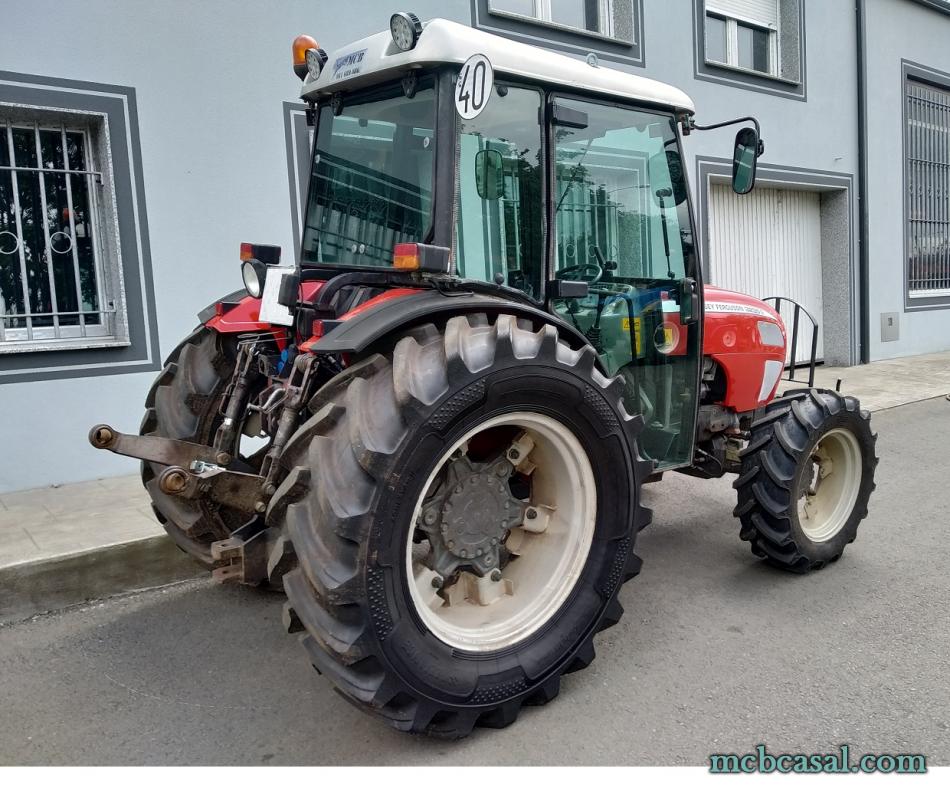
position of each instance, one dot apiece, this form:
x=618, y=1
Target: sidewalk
x=63, y=545
x=886, y=384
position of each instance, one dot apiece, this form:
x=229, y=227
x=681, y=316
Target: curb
x=33, y=587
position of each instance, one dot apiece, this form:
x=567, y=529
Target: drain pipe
x=864, y=307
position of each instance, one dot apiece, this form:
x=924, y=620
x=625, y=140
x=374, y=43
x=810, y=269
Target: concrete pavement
x=716, y=653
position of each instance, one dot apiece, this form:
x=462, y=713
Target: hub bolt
x=437, y=581
x=463, y=553
x=223, y=458
x=532, y=514
x=260, y=507
x=496, y=575
x=429, y=518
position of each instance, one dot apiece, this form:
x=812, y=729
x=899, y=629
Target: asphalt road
x=716, y=653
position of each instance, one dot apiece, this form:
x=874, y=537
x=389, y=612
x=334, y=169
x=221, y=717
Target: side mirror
x=744, y=159
x=489, y=174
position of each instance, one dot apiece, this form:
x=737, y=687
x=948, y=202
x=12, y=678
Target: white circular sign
x=474, y=87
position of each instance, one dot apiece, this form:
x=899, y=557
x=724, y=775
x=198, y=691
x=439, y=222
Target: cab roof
x=376, y=58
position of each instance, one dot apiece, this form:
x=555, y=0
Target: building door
x=768, y=243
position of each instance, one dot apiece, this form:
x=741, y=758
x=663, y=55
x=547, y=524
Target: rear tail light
x=421, y=257
x=406, y=257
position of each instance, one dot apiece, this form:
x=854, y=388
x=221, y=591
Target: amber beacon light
x=304, y=62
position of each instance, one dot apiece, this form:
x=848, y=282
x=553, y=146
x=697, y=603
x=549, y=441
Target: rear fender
x=397, y=310
x=239, y=313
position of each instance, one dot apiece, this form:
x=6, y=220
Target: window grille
x=52, y=288
x=928, y=189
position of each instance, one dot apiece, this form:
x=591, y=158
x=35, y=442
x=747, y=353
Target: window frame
x=787, y=77
x=934, y=79
x=111, y=113
x=732, y=44
x=59, y=337
x=543, y=14
x=572, y=40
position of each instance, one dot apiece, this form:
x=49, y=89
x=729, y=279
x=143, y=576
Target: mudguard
x=401, y=309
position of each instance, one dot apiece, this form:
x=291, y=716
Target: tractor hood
x=376, y=58
x=728, y=302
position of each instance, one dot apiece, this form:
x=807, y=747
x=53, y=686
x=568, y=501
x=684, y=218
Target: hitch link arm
x=150, y=448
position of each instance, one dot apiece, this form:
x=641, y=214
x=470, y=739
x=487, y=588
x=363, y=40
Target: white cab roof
x=372, y=59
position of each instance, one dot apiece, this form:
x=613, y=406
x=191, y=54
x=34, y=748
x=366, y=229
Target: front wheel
x=807, y=474
x=463, y=511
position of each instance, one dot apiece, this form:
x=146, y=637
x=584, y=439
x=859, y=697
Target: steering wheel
x=585, y=272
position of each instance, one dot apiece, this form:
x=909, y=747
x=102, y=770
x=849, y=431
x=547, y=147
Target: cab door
x=621, y=222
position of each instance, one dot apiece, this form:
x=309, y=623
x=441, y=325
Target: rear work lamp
x=406, y=29
x=255, y=258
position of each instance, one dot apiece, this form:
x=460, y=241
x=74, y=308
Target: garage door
x=768, y=243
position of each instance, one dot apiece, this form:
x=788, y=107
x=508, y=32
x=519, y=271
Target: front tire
x=807, y=474
x=364, y=464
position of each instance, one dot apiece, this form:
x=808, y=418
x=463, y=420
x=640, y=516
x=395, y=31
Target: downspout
x=864, y=304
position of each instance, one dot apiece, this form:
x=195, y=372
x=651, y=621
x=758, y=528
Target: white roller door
x=762, y=12
x=768, y=243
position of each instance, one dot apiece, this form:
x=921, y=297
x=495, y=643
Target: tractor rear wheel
x=183, y=404
x=463, y=511
x=807, y=475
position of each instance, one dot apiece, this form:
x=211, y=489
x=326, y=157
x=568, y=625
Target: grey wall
x=211, y=78
x=897, y=30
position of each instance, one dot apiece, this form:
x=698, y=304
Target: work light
x=253, y=272
x=316, y=58
x=405, y=28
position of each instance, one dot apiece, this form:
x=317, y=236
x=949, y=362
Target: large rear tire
x=807, y=475
x=183, y=404
x=379, y=448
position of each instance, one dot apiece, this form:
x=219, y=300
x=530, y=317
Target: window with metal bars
x=53, y=293
x=928, y=190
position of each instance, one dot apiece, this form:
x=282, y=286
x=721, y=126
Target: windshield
x=371, y=179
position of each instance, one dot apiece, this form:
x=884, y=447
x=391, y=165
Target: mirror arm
x=690, y=124
x=693, y=125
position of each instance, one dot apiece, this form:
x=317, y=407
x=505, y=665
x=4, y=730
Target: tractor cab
x=556, y=181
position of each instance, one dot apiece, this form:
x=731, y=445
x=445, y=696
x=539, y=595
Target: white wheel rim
x=536, y=583
x=829, y=490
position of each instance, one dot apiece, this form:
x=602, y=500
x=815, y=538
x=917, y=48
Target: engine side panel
x=748, y=353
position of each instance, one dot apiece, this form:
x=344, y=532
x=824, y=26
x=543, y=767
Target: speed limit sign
x=474, y=86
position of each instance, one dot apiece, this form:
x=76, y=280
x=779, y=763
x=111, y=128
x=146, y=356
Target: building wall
x=210, y=81
x=897, y=31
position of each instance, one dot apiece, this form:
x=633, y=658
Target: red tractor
x=432, y=431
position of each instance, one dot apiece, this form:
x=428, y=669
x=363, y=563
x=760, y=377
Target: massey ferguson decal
x=741, y=309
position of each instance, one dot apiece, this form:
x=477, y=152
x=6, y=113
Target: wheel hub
x=469, y=516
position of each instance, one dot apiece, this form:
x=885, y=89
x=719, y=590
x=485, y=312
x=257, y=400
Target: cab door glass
x=499, y=229
x=622, y=224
